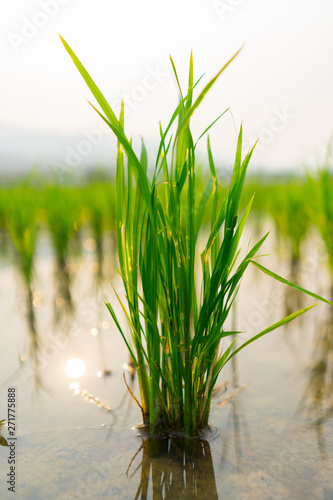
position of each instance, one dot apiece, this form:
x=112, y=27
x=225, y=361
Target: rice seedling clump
x=176, y=323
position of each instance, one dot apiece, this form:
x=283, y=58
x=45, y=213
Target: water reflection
x=168, y=471
x=75, y=368
x=293, y=300
x=63, y=302
x=235, y=434
x=317, y=400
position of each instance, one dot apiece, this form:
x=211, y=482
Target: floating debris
x=233, y=394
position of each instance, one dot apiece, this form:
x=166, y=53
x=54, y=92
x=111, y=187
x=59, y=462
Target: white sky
x=286, y=67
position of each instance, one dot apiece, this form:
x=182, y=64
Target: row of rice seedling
x=29, y=208
x=176, y=330
x=293, y=207
x=62, y=211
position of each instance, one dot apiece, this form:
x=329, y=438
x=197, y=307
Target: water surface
x=275, y=436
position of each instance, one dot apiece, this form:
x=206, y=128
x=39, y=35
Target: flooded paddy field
x=272, y=429
x=144, y=246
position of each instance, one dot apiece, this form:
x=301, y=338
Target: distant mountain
x=21, y=150
x=55, y=155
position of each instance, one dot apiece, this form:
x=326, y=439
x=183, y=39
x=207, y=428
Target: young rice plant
x=175, y=330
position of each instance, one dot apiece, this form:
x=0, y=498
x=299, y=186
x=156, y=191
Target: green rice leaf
x=210, y=126
x=292, y=285
x=276, y=325
x=114, y=317
x=92, y=86
x=203, y=93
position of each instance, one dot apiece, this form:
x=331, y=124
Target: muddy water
x=272, y=410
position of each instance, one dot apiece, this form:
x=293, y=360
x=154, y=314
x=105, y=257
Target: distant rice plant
x=63, y=212
x=4, y=196
x=323, y=211
x=22, y=217
x=261, y=187
x=99, y=204
x=289, y=209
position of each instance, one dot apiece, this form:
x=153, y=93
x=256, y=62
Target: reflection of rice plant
x=176, y=331
x=22, y=219
x=62, y=211
x=173, y=472
x=317, y=400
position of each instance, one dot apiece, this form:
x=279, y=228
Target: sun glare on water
x=75, y=368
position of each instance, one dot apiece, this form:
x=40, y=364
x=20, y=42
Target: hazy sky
x=280, y=85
